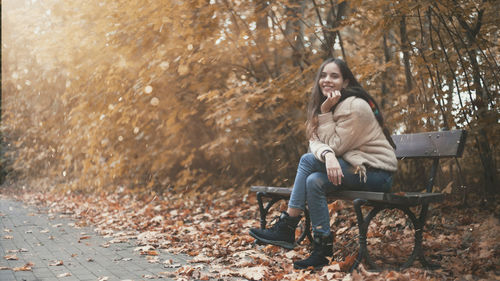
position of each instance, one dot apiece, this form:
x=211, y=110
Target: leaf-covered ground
x=213, y=228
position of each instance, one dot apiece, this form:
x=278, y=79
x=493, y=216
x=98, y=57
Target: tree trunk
x=482, y=100
x=405, y=48
x=295, y=30
x=262, y=37
x=385, y=75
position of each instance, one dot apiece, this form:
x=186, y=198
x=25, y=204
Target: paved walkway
x=56, y=250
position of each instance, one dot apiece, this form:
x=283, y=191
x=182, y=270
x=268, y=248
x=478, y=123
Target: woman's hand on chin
x=332, y=98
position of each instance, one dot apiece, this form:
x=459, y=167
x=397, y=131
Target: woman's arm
x=349, y=128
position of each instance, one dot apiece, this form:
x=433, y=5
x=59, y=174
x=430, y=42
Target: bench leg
x=265, y=210
x=363, y=223
x=418, y=224
x=307, y=228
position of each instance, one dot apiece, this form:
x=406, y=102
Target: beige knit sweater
x=353, y=133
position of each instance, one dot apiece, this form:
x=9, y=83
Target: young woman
x=350, y=149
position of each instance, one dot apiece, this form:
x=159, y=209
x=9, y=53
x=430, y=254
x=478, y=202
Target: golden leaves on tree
x=182, y=94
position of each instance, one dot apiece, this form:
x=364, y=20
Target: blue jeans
x=311, y=184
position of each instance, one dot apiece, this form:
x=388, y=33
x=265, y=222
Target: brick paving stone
x=45, y=239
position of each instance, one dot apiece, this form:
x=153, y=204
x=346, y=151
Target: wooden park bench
x=432, y=145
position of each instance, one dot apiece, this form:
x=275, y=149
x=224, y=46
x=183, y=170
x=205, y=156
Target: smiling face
x=331, y=79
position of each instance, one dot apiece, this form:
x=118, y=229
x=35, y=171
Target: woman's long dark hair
x=353, y=89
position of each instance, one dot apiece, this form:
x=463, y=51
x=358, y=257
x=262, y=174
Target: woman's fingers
x=332, y=177
x=335, y=176
x=339, y=177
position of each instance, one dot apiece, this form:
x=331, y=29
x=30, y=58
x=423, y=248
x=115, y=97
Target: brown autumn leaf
x=253, y=273
x=332, y=267
x=193, y=253
x=11, y=257
x=21, y=250
x=201, y=258
x=56, y=263
x=448, y=189
x=348, y=262
x=27, y=267
x=149, y=253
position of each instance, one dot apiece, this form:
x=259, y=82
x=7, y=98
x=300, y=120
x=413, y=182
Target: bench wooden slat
x=406, y=198
x=431, y=144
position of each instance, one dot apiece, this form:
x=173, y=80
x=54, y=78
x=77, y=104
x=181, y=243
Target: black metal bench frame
x=432, y=145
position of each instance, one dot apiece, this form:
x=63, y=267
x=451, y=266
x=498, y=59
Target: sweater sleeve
x=345, y=130
x=316, y=145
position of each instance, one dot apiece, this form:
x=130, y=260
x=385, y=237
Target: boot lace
x=277, y=223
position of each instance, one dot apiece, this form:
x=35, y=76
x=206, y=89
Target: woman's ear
x=344, y=85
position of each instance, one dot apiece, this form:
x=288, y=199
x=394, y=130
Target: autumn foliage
x=203, y=95
x=212, y=231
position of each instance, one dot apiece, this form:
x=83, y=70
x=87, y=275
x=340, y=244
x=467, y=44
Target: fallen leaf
x=448, y=189
x=11, y=257
x=17, y=251
x=166, y=274
x=65, y=274
x=169, y=264
x=153, y=259
x=291, y=254
x=201, y=258
x=150, y=253
x=26, y=267
x=335, y=266
x=56, y=263
x=253, y=273
x=347, y=263
x=342, y=230
x=144, y=248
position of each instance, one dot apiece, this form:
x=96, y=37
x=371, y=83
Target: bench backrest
x=431, y=144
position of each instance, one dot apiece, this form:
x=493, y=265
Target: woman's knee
x=315, y=182
x=307, y=158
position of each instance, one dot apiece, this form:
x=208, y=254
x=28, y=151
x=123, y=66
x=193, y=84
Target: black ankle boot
x=322, y=248
x=282, y=233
